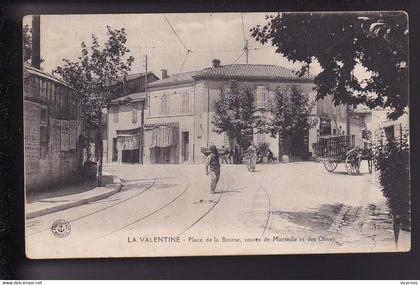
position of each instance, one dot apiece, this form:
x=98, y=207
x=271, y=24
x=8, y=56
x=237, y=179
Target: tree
x=27, y=44
x=341, y=41
x=234, y=112
x=92, y=76
x=391, y=159
x=288, y=113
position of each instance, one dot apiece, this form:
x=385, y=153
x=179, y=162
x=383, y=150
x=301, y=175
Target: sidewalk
x=378, y=224
x=373, y=225
x=70, y=197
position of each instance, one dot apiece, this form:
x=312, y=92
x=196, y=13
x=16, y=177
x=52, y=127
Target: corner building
x=180, y=108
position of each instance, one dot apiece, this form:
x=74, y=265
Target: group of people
x=231, y=156
x=213, y=162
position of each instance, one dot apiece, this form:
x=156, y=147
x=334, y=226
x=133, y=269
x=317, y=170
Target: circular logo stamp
x=61, y=228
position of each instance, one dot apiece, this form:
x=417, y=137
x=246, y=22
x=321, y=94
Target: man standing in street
x=225, y=154
x=236, y=155
x=213, y=168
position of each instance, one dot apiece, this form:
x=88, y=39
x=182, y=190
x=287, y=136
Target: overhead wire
x=238, y=57
x=180, y=40
x=185, y=59
x=176, y=34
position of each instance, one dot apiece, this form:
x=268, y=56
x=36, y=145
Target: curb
x=116, y=188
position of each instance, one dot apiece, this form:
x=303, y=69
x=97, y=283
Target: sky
x=208, y=36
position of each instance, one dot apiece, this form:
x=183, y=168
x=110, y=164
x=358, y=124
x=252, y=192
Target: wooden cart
x=334, y=149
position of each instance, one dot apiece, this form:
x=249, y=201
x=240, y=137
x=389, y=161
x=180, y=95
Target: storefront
x=161, y=142
x=128, y=146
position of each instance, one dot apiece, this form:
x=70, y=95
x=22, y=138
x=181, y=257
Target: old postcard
x=216, y=134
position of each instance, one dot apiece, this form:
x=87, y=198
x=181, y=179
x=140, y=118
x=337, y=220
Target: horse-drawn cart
x=335, y=149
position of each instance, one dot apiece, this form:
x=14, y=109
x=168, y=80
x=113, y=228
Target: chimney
x=36, y=45
x=216, y=62
x=164, y=73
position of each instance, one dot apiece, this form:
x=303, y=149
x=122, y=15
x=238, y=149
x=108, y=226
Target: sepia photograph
x=208, y=134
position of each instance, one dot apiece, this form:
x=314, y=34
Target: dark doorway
x=185, y=146
x=130, y=156
x=114, y=150
x=299, y=144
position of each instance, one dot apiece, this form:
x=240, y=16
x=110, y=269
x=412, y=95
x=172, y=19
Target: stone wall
x=52, y=127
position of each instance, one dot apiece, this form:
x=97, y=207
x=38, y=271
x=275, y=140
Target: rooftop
x=32, y=70
x=178, y=78
x=252, y=71
x=132, y=97
x=234, y=71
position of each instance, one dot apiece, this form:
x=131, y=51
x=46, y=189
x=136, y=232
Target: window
x=185, y=104
x=44, y=116
x=261, y=95
x=116, y=109
x=389, y=132
x=164, y=108
x=134, y=113
x=260, y=138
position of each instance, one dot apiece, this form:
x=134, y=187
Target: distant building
x=340, y=120
x=125, y=129
x=377, y=122
x=180, y=107
x=52, y=125
x=128, y=87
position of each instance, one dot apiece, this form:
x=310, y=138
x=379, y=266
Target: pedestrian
x=225, y=153
x=252, y=155
x=236, y=155
x=231, y=156
x=270, y=156
x=213, y=168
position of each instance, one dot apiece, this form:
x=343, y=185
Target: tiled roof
x=134, y=96
x=175, y=79
x=234, y=71
x=137, y=75
x=251, y=71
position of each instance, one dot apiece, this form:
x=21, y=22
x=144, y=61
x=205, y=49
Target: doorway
x=114, y=150
x=185, y=146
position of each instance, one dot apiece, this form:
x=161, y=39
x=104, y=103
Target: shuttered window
x=185, y=102
x=261, y=97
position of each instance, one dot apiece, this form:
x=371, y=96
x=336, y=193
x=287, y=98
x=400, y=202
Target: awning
x=162, y=136
x=128, y=142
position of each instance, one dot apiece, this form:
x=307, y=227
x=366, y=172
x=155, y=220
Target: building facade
x=125, y=129
x=340, y=120
x=121, y=113
x=180, y=109
x=52, y=125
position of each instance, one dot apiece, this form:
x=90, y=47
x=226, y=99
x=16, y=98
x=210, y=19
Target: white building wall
x=184, y=116
x=124, y=122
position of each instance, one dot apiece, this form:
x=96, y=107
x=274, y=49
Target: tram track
x=102, y=209
x=153, y=183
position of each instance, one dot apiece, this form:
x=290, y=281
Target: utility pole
x=246, y=50
x=145, y=83
x=142, y=111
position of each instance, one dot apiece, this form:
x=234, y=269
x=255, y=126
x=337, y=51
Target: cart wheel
x=353, y=163
x=330, y=166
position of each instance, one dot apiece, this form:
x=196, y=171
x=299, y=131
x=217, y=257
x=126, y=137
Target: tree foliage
x=391, y=159
x=27, y=44
x=341, y=41
x=234, y=111
x=288, y=112
x=95, y=70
